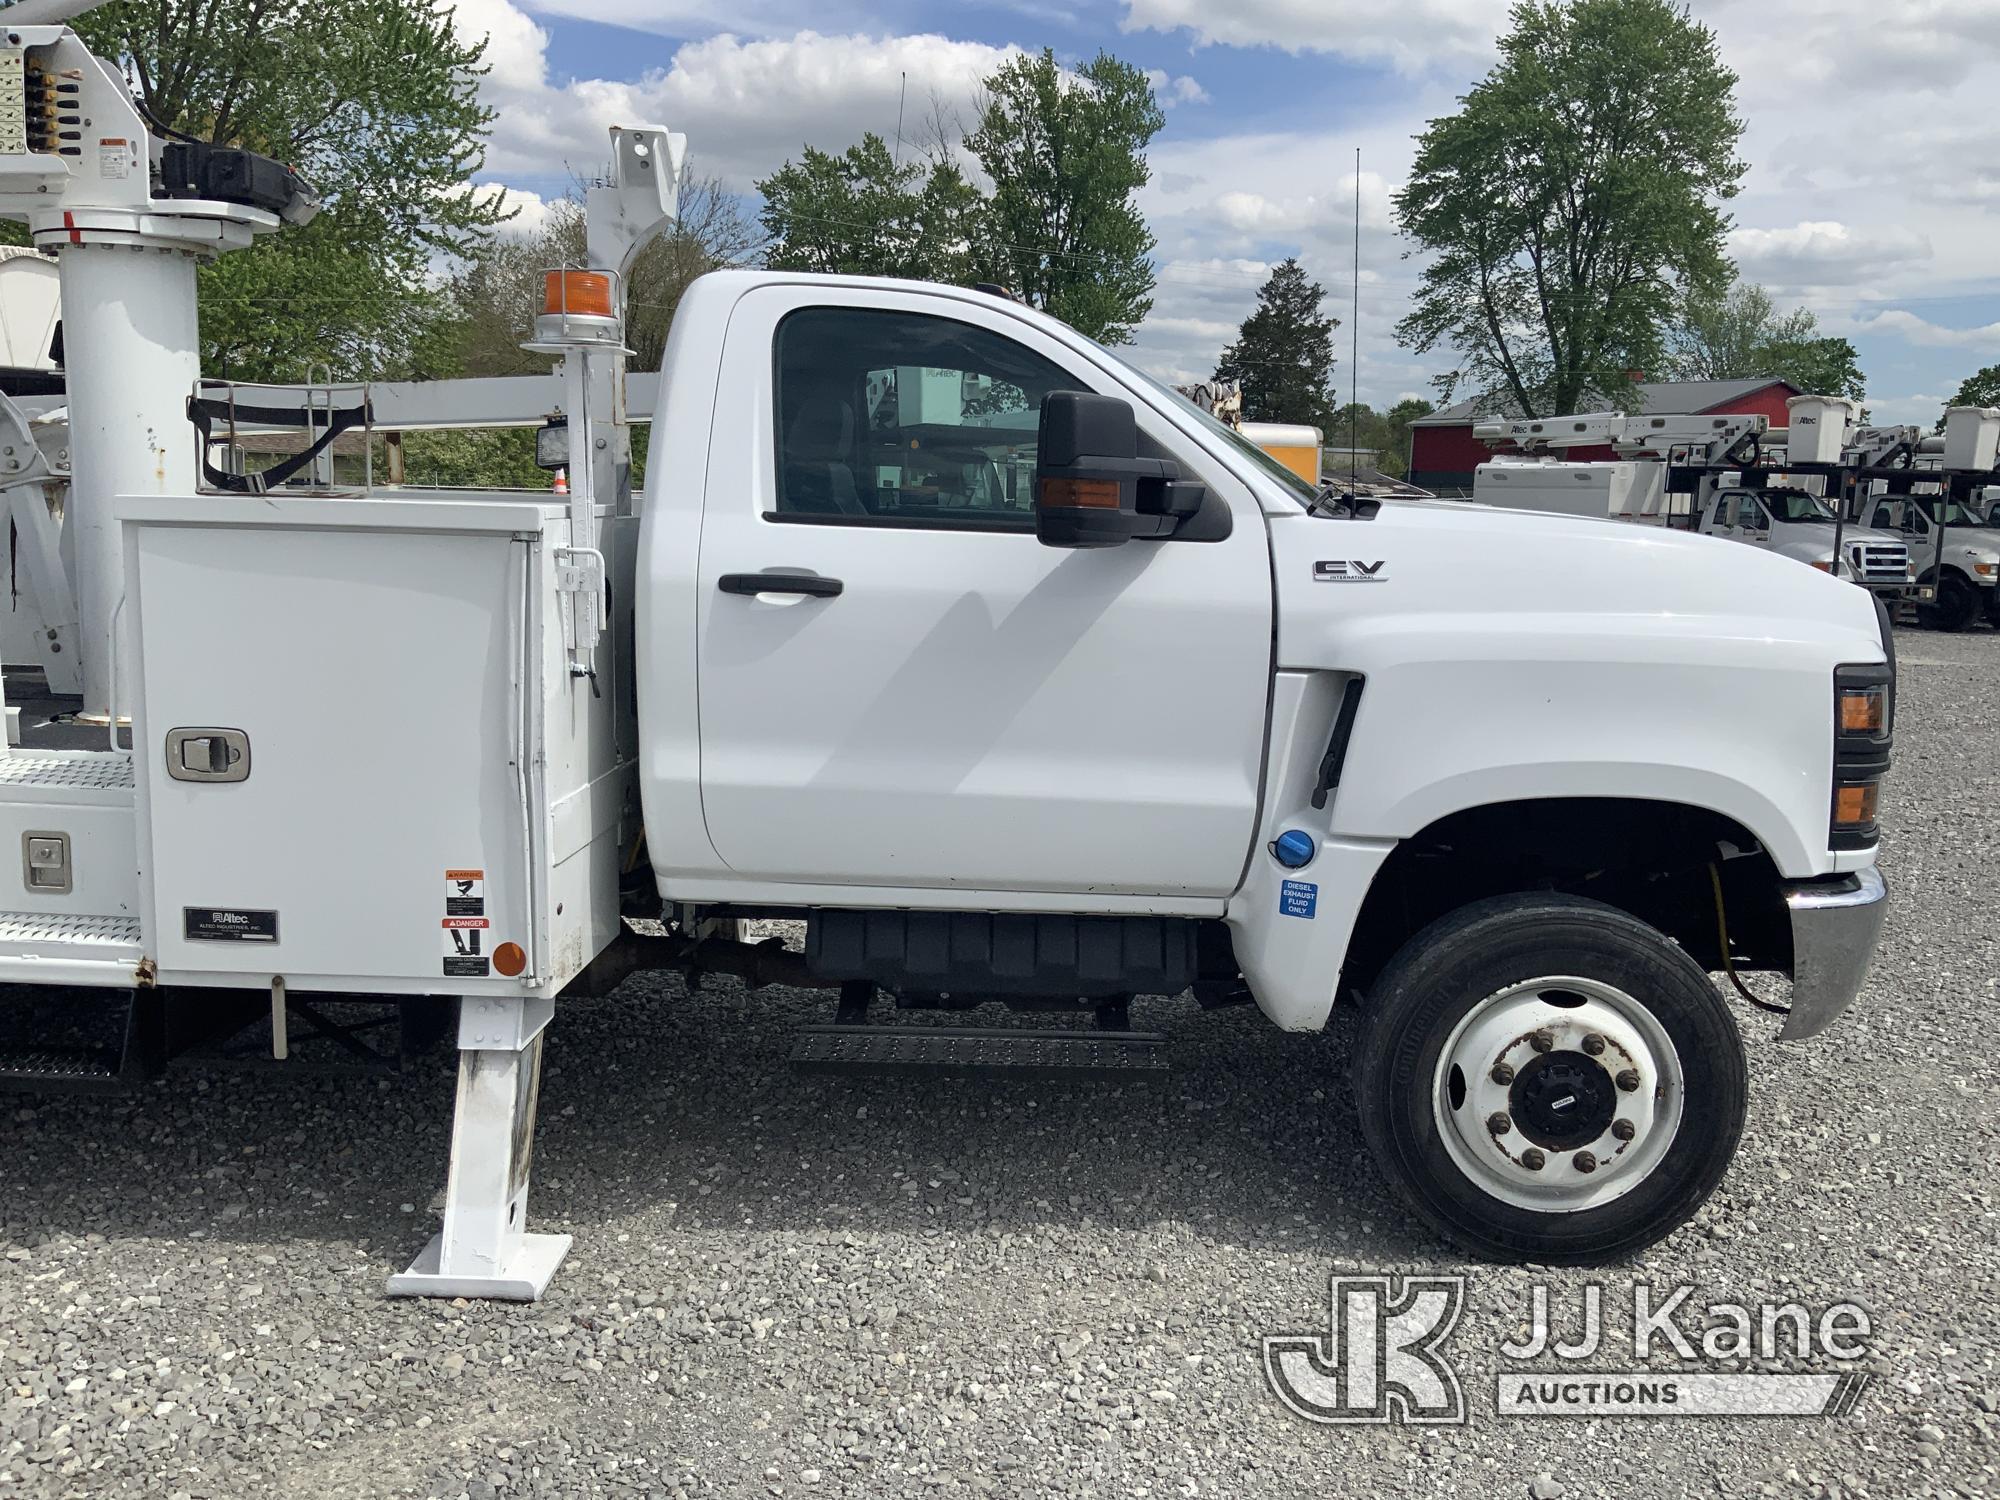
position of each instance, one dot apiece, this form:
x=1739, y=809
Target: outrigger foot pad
x=529, y=1267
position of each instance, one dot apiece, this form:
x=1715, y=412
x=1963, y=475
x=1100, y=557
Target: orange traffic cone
x=562, y=481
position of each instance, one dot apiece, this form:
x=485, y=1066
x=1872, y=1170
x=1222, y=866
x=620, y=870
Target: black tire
x=1957, y=605
x=1437, y=978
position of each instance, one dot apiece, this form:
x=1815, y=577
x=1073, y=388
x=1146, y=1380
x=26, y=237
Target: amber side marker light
x=1854, y=806
x=1863, y=710
x=510, y=959
x=1066, y=494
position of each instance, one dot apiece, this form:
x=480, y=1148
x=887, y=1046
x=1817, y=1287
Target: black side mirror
x=1091, y=487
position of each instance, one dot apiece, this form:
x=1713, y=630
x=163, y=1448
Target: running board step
x=77, y=1070
x=29, y=1067
x=969, y=1052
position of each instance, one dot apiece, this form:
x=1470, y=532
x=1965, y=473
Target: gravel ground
x=795, y=1286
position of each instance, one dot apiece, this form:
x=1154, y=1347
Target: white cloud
x=746, y=105
x=1412, y=35
x=530, y=213
x=1253, y=213
x=1891, y=411
x=1172, y=91
x=1912, y=329
x=1823, y=253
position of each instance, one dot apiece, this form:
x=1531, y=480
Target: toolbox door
x=332, y=726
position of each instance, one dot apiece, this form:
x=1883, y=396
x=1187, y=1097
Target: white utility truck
x=1967, y=574
x=1686, y=472
x=1150, y=719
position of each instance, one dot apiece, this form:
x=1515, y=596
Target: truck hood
x=1430, y=565
x=1983, y=540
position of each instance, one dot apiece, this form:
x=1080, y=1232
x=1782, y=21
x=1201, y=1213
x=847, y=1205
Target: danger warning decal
x=465, y=893
x=466, y=955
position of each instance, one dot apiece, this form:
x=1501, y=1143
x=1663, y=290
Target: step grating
x=58, y=1063
x=86, y=770
x=65, y=930
x=972, y=1053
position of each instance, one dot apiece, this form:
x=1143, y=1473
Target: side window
x=902, y=419
x=1750, y=515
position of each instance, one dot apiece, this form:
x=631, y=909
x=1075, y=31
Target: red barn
x=1443, y=451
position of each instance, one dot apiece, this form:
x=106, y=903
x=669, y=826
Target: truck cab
x=1015, y=676
x=1795, y=523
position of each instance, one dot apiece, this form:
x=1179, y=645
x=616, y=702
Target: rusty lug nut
x=1624, y=1129
x=1593, y=1044
x=1502, y=1073
x=1541, y=1041
x=1583, y=1161
x=1498, y=1123
x=1628, y=1080
x=1533, y=1159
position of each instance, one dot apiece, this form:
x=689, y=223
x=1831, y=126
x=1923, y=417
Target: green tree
x=1574, y=201
x=1066, y=154
x=862, y=214
x=376, y=103
x=1742, y=335
x=1981, y=388
x=1283, y=353
x=1385, y=433
x=1400, y=418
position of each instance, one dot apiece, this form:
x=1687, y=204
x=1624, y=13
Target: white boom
x=1673, y=439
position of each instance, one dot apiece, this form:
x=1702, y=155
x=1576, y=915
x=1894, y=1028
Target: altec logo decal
x=1347, y=570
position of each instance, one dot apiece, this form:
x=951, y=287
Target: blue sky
x=1874, y=174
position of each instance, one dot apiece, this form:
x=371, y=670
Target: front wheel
x=1547, y=1078
x=1957, y=605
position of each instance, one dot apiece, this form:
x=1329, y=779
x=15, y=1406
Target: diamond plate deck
x=107, y=938
x=69, y=770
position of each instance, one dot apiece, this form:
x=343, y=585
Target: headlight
x=1864, y=709
x=1863, y=712
x=1986, y=570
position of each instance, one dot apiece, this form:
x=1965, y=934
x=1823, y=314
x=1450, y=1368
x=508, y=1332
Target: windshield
x=1797, y=505
x=1292, y=485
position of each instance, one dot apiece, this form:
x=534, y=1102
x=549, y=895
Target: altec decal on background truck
x=949, y=632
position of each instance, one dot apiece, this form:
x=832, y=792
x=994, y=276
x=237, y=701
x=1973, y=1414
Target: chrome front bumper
x=1835, y=924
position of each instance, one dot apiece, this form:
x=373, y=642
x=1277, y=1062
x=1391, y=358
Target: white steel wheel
x=1558, y=1094
x=1546, y=1078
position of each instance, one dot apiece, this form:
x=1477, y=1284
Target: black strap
x=1330, y=764
x=205, y=411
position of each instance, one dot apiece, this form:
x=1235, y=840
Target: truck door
x=1753, y=523
x=927, y=695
